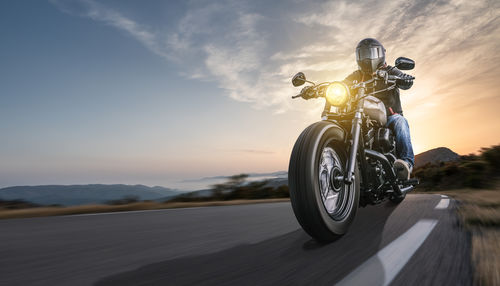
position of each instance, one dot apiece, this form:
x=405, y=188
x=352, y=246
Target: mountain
x=83, y=194
x=433, y=156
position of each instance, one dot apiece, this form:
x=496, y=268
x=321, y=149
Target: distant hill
x=480, y=170
x=433, y=156
x=83, y=194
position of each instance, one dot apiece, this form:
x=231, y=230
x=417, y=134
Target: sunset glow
x=116, y=92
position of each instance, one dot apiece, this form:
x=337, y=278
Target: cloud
x=218, y=42
x=446, y=38
x=98, y=12
x=251, y=51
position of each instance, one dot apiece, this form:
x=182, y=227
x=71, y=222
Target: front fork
x=355, y=133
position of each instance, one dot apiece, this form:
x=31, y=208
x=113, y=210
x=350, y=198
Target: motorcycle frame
x=357, y=151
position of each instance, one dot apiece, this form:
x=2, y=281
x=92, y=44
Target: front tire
x=324, y=206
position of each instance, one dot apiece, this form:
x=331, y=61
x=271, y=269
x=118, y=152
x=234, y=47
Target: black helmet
x=370, y=55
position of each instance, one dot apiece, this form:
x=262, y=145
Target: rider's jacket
x=390, y=98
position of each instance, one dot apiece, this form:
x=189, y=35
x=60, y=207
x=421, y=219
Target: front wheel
x=322, y=203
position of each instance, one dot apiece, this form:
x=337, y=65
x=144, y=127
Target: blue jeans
x=399, y=126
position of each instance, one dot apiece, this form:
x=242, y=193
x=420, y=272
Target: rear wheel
x=322, y=203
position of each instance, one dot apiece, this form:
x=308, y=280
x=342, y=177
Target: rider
x=370, y=55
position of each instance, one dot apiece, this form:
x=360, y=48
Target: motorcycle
x=345, y=160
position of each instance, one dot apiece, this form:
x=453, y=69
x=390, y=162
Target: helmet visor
x=369, y=53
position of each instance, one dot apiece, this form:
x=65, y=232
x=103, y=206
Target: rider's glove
x=405, y=82
x=307, y=92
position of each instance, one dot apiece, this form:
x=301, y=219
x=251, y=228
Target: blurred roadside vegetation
x=236, y=188
x=16, y=204
x=474, y=181
x=124, y=201
x=470, y=171
x=479, y=211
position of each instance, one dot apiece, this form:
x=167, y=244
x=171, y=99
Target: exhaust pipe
x=389, y=171
x=383, y=160
x=406, y=189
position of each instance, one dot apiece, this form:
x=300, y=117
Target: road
x=419, y=242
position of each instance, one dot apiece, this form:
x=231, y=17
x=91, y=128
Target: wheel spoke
x=334, y=201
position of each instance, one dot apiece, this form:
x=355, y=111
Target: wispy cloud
x=98, y=12
x=218, y=42
x=453, y=42
x=243, y=51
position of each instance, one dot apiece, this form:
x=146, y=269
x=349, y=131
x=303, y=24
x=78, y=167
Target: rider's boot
x=402, y=169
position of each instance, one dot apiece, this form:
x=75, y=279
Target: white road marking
x=444, y=196
x=443, y=204
x=383, y=267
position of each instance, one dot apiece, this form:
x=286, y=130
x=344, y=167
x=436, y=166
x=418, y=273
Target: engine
x=384, y=140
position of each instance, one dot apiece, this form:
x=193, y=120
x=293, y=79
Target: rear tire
x=324, y=207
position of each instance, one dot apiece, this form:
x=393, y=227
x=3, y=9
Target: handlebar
x=395, y=77
x=379, y=75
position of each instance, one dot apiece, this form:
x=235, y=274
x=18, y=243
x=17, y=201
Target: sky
x=158, y=92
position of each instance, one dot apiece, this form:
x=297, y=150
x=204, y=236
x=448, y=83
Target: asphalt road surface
x=418, y=242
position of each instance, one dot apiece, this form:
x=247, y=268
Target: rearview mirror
x=403, y=63
x=299, y=79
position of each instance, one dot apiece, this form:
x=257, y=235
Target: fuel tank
x=375, y=109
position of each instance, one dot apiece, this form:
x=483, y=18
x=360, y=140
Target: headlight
x=337, y=94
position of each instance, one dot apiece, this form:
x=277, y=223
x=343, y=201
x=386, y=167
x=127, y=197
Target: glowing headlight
x=337, y=94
